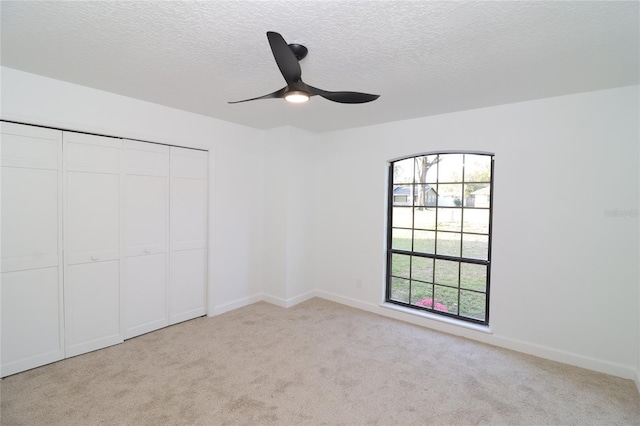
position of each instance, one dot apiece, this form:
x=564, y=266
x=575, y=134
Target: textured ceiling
x=423, y=58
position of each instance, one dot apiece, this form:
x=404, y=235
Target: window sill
x=439, y=318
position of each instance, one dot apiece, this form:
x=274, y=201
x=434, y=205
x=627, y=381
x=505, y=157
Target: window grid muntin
x=435, y=256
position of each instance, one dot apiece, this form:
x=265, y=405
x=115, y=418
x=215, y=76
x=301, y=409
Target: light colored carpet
x=316, y=363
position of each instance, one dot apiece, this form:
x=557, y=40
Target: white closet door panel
x=147, y=238
x=145, y=294
x=188, y=213
x=92, y=311
x=31, y=227
x=30, y=217
x=188, y=284
x=29, y=146
x=189, y=163
x=35, y=261
x=92, y=256
x=147, y=203
x=93, y=215
x=148, y=159
x=188, y=240
x=147, y=249
x=93, y=242
x=31, y=319
x=95, y=154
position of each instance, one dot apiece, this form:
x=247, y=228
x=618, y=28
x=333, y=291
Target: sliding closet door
x=92, y=242
x=188, y=234
x=146, y=278
x=32, y=317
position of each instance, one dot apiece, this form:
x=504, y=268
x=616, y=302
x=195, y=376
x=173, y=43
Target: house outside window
x=439, y=234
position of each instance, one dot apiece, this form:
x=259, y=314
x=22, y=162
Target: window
x=439, y=235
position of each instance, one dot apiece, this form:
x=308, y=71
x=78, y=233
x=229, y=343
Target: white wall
x=288, y=187
x=565, y=278
x=236, y=157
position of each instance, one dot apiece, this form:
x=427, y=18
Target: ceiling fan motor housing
x=299, y=50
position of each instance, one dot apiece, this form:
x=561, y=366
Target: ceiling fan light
x=296, y=96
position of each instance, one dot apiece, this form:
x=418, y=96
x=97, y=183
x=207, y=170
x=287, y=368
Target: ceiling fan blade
x=274, y=95
x=286, y=60
x=343, y=97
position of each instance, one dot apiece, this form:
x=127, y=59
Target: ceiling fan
x=287, y=57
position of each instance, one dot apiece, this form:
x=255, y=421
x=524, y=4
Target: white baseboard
x=274, y=300
x=261, y=297
x=236, y=304
x=287, y=303
x=365, y=306
x=613, y=369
